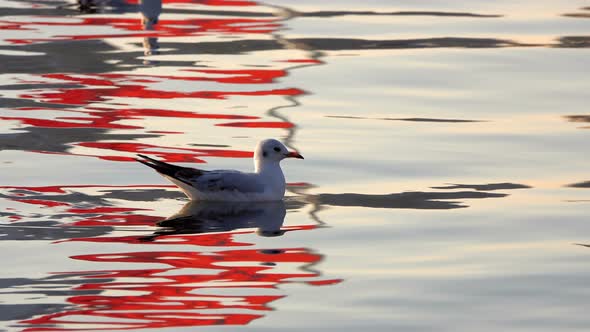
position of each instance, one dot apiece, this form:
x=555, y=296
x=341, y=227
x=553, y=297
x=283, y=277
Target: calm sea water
x=445, y=185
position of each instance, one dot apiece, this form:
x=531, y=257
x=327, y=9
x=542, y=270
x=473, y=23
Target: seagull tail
x=160, y=166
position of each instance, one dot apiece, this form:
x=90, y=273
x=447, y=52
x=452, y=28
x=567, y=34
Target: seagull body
x=267, y=183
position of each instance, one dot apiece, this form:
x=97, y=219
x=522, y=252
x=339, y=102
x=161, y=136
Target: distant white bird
x=267, y=183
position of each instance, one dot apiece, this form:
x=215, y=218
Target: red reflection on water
x=241, y=76
x=164, y=28
x=118, y=220
x=103, y=209
x=179, y=293
x=107, y=117
x=171, y=297
x=299, y=184
x=81, y=96
x=41, y=202
x=108, y=86
x=63, y=188
x=207, y=260
x=189, y=155
x=65, y=124
x=112, y=216
x=105, y=86
x=109, y=158
x=4, y=25
x=205, y=240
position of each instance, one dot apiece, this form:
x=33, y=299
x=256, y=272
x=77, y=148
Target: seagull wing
x=207, y=181
x=227, y=180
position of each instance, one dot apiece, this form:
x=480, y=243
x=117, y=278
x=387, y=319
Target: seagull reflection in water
x=150, y=11
x=206, y=217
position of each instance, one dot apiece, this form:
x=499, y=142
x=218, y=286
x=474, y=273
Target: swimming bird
x=267, y=183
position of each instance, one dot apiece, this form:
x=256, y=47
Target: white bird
x=267, y=183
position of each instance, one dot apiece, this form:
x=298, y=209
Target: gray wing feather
x=223, y=180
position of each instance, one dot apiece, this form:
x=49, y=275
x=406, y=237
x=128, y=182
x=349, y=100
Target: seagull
x=267, y=183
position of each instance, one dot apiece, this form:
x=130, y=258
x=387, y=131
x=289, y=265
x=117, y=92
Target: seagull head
x=272, y=151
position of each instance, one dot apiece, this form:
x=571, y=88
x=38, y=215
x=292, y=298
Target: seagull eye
x=277, y=149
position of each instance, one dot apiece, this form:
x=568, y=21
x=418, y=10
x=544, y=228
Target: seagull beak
x=294, y=155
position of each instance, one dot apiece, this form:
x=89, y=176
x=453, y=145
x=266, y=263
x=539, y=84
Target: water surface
x=445, y=185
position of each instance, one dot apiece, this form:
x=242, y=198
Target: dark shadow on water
x=141, y=195
x=405, y=119
x=59, y=139
x=51, y=286
x=11, y=312
x=405, y=200
x=430, y=120
x=573, y=42
x=582, y=14
x=584, y=184
x=579, y=119
x=39, y=86
x=82, y=56
x=398, y=13
x=91, y=56
x=337, y=44
x=69, y=196
x=18, y=102
x=483, y=187
x=48, y=231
